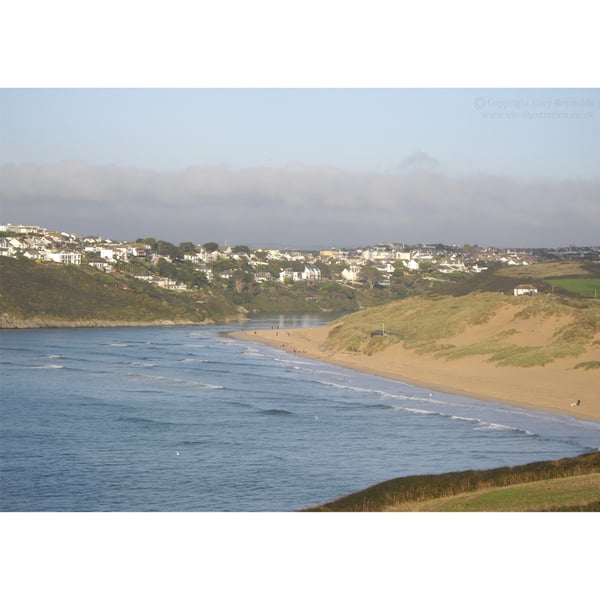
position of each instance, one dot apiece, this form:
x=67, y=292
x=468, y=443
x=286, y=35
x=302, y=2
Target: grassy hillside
x=543, y=275
x=52, y=293
x=569, y=484
x=501, y=328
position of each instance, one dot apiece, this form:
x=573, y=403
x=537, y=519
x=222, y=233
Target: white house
x=262, y=276
x=114, y=253
x=289, y=274
x=351, y=273
x=66, y=258
x=101, y=266
x=138, y=250
x=107, y=254
x=525, y=290
x=207, y=271
x=194, y=258
x=310, y=273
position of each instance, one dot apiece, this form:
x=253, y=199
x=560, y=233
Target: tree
x=210, y=246
x=187, y=247
x=398, y=268
x=426, y=266
x=240, y=280
x=166, y=269
x=149, y=240
x=370, y=274
x=324, y=268
x=241, y=250
x=223, y=264
x=167, y=249
x=261, y=255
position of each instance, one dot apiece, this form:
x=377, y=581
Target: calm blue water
x=186, y=419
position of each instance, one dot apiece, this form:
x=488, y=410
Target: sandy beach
x=554, y=388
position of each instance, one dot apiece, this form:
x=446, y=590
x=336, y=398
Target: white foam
x=486, y=426
x=416, y=411
x=457, y=418
x=187, y=382
x=144, y=365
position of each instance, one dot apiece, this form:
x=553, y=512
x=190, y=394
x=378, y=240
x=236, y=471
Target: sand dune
x=554, y=387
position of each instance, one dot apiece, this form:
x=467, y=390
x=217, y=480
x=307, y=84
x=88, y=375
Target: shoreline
x=545, y=389
x=39, y=323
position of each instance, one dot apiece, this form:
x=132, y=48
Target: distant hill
x=47, y=294
x=53, y=295
x=38, y=295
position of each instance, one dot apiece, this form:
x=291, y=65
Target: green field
x=588, y=287
x=569, y=484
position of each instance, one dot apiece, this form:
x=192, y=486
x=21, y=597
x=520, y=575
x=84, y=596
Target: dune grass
x=589, y=364
x=567, y=484
x=426, y=325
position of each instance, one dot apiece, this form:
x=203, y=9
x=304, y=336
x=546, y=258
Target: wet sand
x=553, y=388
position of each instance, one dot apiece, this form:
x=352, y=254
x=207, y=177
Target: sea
x=188, y=419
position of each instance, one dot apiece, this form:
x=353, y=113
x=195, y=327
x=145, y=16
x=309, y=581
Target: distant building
x=66, y=258
x=262, y=276
x=525, y=290
x=411, y=265
x=310, y=273
x=351, y=273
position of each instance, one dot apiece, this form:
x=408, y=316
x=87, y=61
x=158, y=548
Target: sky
x=304, y=165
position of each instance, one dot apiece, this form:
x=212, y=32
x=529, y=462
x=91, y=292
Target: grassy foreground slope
x=506, y=330
x=34, y=295
x=569, y=484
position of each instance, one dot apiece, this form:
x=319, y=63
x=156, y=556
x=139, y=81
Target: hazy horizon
x=306, y=167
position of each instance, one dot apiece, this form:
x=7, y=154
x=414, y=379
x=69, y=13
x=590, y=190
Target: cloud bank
x=301, y=206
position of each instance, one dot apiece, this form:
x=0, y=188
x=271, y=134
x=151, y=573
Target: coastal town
x=373, y=265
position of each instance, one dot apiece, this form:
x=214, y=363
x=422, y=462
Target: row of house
x=310, y=273
x=38, y=243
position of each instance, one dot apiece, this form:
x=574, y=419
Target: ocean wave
x=350, y=388
x=252, y=352
x=176, y=381
x=276, y=411
x=51, y=366
x=487, y=426
x=147, y=421
x=399, y=396
x=457, y=418
x=144, y=365
x=477, y=424
x=293, y=361
x=417, y=411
